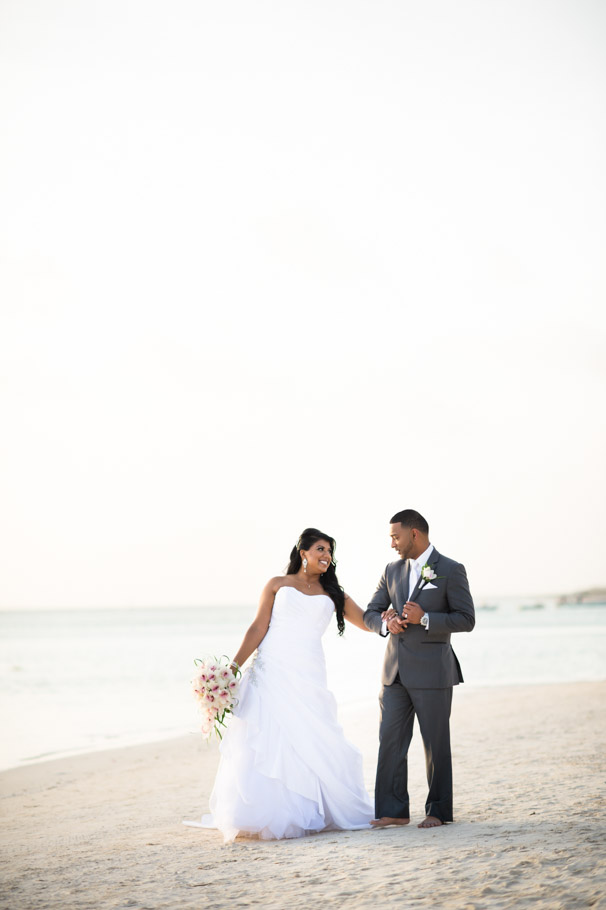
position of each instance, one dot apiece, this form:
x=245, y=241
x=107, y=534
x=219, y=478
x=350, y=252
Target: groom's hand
x=413, y=612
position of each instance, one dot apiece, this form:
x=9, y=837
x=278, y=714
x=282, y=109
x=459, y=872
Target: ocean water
x=81, y=680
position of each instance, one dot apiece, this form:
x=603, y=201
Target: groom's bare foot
x=429, y=822
x=384, y=822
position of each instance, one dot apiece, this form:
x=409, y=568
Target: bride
x=286, y=768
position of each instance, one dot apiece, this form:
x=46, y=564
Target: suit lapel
x=404, y=581
x=418, y=587
x=421, y=582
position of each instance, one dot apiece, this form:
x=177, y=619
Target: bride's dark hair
x=328, y=580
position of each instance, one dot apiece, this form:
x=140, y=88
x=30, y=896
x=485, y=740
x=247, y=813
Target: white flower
x=427, y=574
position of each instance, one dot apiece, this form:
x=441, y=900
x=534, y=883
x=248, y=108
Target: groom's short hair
x=409, y=518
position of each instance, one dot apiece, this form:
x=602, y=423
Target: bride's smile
x=319, y=558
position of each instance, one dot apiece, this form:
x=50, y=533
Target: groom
x=421, y=599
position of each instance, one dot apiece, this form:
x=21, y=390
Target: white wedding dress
x=286, y=768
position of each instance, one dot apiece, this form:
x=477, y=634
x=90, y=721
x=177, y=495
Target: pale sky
x=266, y=265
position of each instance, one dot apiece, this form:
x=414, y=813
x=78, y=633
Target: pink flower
x=214, y=687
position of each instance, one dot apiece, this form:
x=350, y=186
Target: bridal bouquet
x=215, y=687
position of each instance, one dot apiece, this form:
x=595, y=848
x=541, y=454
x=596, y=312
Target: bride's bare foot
x=429, y=822
x=384, y=822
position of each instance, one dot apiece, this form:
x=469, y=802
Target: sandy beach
x=104, y=829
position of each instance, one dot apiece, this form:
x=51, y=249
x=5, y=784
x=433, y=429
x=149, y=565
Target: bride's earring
x=305, y=570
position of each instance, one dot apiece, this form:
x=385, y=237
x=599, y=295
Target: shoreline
x=363, y=704
x=104, y=829
x=357, y=704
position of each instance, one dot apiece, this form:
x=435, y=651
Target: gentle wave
x=80, y=680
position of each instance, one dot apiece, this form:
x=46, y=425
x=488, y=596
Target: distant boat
x=532, y=607
x=488, y=607
x=594, y=597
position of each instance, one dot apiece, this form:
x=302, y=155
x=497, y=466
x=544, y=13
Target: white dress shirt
x=415, y=569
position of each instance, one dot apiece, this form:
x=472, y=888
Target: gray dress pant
x=399, y=704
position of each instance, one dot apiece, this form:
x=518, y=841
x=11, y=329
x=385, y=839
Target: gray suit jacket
x=424, y=659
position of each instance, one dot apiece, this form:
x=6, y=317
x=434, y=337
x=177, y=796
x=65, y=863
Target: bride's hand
x=394, y=623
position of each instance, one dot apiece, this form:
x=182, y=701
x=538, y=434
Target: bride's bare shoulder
x=279, y=581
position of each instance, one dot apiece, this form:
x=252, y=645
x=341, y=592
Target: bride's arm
x=354, y=614
x=258, y=629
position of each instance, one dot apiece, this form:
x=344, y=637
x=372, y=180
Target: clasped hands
x=411, y=614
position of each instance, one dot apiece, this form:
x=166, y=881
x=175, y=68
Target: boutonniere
x=428, y=574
